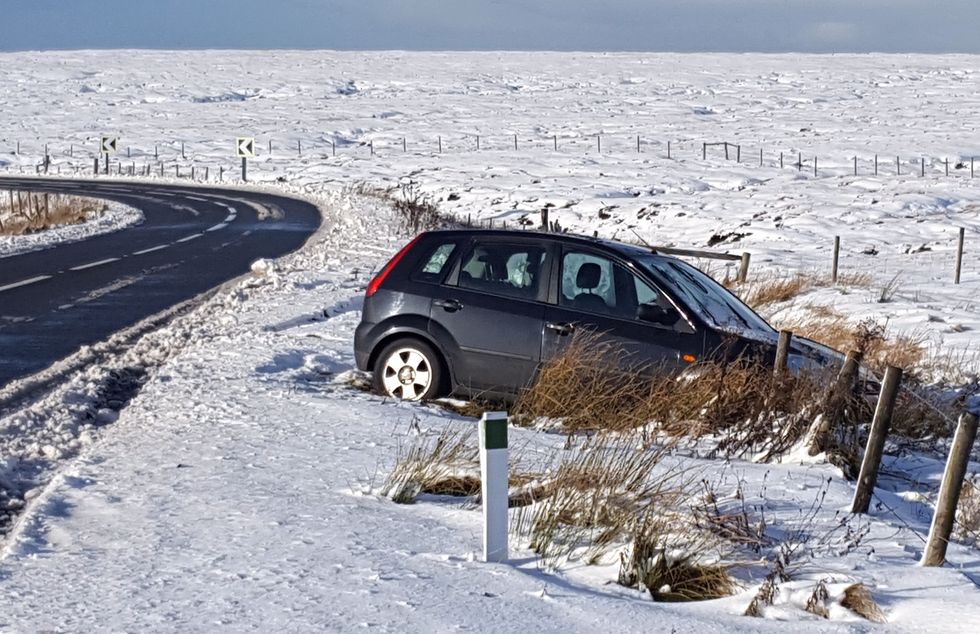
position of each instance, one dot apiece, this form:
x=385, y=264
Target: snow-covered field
x=235, y=492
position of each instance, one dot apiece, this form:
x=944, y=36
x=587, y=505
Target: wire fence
x=72, y=157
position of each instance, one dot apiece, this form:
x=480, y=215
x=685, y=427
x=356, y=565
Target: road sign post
x=108, y=146
x=245, y=148
x=494, y=485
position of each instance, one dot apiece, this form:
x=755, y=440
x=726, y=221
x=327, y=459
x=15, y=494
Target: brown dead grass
x=881, y=348
x=774, y=288
x=968, y=511
x=22, y=212
x=586, y=390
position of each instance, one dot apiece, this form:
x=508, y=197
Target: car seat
x=587, y=278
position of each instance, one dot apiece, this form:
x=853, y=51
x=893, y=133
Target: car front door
x=596, y=294
x=492, y=308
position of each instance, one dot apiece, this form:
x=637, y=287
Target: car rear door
x=593, y=292
x=492, y=309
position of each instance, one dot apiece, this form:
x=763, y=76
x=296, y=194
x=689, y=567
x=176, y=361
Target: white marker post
x=494, y=486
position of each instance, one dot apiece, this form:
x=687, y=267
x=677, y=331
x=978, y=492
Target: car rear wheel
x=408, y=369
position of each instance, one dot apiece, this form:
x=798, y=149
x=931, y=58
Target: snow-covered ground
x=237, y=490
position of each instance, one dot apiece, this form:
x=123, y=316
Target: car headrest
x=588, y=276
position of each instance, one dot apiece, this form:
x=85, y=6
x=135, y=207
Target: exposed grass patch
x=968, y=511
x=583, y=390
x=773, y=288
x=881, y=348
x=418, y=210
x=447, y=463
x=24, y=212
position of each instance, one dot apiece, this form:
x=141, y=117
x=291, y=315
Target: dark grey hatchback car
x=477, y=312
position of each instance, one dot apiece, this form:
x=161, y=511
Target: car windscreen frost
x=713, y=302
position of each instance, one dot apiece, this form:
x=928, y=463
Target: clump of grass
x=587, y=390
x=833, y=329
x=774, y=288
x=592, y=500
x=446, y=463
x=968, y=511
x=418, y=210
x=22, y=213
x=857, y=598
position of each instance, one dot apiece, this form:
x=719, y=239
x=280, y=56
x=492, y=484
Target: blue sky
x=633, y=25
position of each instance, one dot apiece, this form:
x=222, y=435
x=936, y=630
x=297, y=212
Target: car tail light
x=380, y=277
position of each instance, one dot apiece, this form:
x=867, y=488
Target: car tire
x=409, y=370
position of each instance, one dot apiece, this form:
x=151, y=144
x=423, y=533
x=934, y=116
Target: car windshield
x=712, y=301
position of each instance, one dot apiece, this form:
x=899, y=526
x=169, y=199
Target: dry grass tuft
x=857, y=598
x=586, y=390
x=418, y=210
x=593, y=499
x=831, y=328
x=22, y=212
x=447, y=463
x=775, y=288
x=968, y=511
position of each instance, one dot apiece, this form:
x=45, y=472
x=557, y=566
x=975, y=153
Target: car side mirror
x=657, y=314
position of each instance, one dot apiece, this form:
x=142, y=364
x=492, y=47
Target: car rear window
x=432, y=267
x=503, y=269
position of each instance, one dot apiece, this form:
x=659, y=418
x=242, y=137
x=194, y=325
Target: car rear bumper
x=362, y=347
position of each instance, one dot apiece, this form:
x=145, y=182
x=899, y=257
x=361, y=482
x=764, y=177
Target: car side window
x=587, y=283
x=503, y=269
x=596, y=284
x=433, y=267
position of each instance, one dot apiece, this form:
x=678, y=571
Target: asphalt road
x=56, y=300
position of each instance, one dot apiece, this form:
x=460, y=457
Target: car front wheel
x=408, y=369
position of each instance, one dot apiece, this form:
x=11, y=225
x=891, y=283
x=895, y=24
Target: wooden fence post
x=947, y=166
x=782, y=352
x=738, y=153
x=668, y=149
x=949, y=491
x=515, y=142
x=760, y=157
x=814, y=166
x=876, y=164
x=780, y=160
x=959, y=255
x=818, y=437
x=743, y=268
x=922, y=166
x=855, y=166
x=440, y=144
x=704, y=151
x=898, y=166
x=404, y=145
x=478, y=143
x=556, y=142
x=637, y=143
x=544, y=218
x=833, y=270
x=598, y=143
x=876, y=440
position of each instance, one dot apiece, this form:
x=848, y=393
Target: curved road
x=55, y=300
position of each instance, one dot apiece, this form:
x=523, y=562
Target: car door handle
x=561, y=328
x=449, y=305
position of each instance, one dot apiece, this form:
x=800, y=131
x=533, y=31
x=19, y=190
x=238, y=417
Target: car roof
x=567, y=238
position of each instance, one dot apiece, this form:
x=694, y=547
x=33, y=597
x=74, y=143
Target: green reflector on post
x=495, y=431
